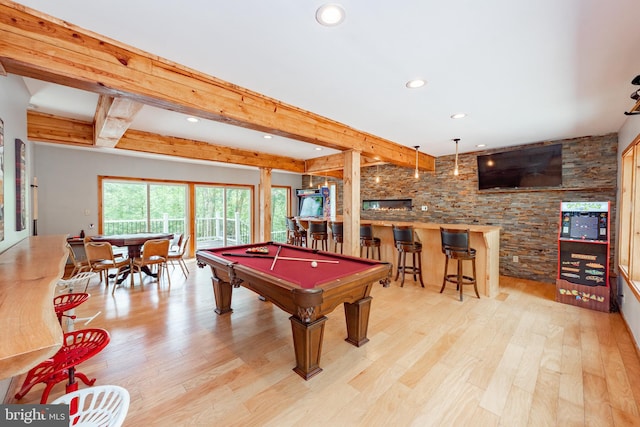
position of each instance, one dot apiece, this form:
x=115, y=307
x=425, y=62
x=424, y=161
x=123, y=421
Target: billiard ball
x=314, y=264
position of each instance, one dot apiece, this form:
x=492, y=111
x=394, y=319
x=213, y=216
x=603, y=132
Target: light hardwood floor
x=519, y=359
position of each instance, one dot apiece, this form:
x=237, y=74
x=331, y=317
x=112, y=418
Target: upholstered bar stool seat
x=318, y=233
x=296, y=235
x=405, y=242
x=455, y=245
x=336, y=235
x=368, y=241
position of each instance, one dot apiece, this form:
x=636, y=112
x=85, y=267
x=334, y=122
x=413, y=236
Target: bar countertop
x=484, y=238
x=29, y=272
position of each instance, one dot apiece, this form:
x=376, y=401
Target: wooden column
x=264, y=231
x=351, y=203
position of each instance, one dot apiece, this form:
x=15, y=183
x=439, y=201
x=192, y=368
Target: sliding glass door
x=223, y=216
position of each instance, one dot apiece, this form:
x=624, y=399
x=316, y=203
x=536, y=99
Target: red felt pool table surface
x=307, y=293
x=296, y=272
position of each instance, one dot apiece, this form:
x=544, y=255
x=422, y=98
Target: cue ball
x=314, y=264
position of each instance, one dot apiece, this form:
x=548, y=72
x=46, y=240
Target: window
x=280, y=209
x=139, y=207
x=629, y=215
x=222, y=215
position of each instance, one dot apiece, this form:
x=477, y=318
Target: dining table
x=133, y=242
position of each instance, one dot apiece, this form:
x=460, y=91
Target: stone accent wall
x=529, y=218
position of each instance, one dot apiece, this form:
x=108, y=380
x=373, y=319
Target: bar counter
x=485, y=239
x=29, y=272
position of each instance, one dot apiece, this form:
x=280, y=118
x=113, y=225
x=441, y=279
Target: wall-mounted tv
x=527, y=167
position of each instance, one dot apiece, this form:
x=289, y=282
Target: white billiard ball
x=314, y=264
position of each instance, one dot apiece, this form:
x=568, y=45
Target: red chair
x=77, y=347
x=66, y=302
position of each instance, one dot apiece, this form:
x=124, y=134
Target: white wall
x=629, y=304
x=14, y=99
x=68, y=182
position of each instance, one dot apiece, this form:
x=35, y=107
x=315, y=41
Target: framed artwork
x=1, y=180
x=21, y=186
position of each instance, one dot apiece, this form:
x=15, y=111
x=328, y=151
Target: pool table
x=284, y=274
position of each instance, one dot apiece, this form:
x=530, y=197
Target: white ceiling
x=523, y=71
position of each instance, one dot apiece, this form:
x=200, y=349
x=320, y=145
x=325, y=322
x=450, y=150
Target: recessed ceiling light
x=416, y=83
x=481, y=145
x=267, y=136
x=330, y=15
x=459, y=115
x=318, y=148
x=192, y=120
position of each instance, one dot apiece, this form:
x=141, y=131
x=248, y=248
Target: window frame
x=628, y=253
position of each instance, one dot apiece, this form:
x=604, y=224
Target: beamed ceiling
x=125, y=77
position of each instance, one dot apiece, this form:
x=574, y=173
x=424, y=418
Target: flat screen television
x=528, y=167
x=312, y=205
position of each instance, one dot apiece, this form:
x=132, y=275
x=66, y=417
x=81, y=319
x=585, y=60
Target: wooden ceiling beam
x=335, y=162
x=112, y=119
x=33, y=44
x=59, y=130
x=146, y=142
x=48, y=128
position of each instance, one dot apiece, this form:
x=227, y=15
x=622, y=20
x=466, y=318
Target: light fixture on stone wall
x=455, y=168
x=416, y=175
x=377, y=174
x=310, y=181
x=326, y=181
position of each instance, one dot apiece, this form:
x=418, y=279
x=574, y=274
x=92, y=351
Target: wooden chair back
x=98, y=251
x=155, y=250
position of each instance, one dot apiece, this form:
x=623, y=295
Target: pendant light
x=416, y=175
x=455, y=168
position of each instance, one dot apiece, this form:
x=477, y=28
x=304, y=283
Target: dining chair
x=101, y=259
x=178, y=255
x=155, y=252
x=79, y=264
x=176, y=242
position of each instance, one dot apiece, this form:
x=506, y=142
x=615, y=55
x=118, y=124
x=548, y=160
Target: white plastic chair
x=73, y=284
x=105, y=405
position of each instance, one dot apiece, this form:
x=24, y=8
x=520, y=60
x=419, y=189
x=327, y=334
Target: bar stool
x=455, y=245
x=296, y=235
x=368, y=241
x=336, y=233
x=318, y=233
x=405, y=242
x=67, y=302
x=77, y=346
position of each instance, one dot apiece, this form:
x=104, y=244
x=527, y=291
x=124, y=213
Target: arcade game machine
x=583, y=255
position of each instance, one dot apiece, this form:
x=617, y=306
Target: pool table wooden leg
x=222, y=291
x=307, y=343
x=357, y=316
